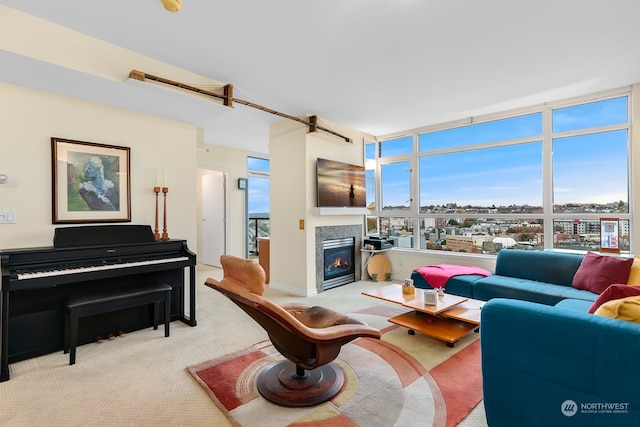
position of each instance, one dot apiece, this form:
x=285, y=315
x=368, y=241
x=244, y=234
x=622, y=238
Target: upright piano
x=36, y=282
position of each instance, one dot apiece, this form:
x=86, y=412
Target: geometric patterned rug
x=385, y=386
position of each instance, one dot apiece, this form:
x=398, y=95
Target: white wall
x=29, y=118
x=289, y=260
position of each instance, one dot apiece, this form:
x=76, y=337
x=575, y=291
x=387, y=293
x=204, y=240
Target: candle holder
x=165, y=235
x=156, y=233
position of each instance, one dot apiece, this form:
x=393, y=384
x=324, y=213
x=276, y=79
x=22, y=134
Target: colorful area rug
x=385, y=385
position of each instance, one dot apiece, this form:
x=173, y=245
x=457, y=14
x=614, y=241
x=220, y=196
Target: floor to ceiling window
x=258, y=211
x=537, y=178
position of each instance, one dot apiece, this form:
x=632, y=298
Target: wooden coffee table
x=450, y=319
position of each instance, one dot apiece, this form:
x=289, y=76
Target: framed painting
x=90, y=182
x=609, y=235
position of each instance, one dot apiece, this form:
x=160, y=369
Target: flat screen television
x=340, y=184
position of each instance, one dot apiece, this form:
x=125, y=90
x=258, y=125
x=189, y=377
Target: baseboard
x=292, y=291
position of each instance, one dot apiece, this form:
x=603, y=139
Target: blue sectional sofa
x=543, y=277
x=545, y=360
x=558, y=366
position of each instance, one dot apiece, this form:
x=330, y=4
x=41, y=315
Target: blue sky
x=258, y=195
x=258, y=187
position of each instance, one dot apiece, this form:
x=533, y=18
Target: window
x=590, y=115
x=584, y=234
x=370, y=174
x=590, y=173
x=397, y=146
x=503, y=182
x=371, y=226
x=398, y=230
x=497, y=130
x=396, y=188
x=505, y=179
x=258, y=216
x=590, y=143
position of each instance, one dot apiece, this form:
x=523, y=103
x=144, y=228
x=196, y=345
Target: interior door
x=213, y=217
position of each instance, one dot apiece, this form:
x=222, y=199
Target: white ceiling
x=378, y=66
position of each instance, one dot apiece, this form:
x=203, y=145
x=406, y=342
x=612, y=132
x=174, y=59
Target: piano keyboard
x=88, y=269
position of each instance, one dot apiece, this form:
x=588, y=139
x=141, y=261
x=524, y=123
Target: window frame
x=548, y=216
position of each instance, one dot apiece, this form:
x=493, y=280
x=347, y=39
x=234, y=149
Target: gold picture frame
x=90, y=182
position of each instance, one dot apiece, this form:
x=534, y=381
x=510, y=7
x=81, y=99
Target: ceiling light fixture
x=172, y=5
x=227, y=99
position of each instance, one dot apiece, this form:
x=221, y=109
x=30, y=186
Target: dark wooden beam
x=227, y=100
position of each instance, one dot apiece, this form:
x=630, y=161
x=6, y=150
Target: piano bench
x=105, y=302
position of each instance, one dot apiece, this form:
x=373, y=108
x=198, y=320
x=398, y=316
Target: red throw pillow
x=597, y=272
x=616, y=291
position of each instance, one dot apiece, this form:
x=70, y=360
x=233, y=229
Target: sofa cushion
x=597, y=272
x=540, y=266
x=634, y=274
x=615, y=291
x=575, y=305
x=496, y=286
x=623, y=309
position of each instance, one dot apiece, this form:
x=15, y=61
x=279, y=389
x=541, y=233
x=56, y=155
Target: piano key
x=52, y=273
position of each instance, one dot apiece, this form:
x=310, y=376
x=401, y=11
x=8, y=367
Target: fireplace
x=339, y=262
x=348, y=235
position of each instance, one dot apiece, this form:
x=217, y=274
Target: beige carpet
x=140, y=379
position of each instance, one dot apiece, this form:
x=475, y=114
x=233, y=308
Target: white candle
x=158, y=178
x=165, y=177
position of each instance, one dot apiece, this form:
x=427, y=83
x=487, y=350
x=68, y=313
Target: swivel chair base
x=285, y=384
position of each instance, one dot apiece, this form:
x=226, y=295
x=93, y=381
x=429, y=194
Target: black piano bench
x=99, y=303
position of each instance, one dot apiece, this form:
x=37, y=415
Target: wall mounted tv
x=340, y=184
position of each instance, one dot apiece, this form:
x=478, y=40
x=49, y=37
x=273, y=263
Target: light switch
x=7, y=216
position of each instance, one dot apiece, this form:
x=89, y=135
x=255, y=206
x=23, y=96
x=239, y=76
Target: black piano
x=36, y=283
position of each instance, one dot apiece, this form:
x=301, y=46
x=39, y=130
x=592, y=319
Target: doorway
x=214, y=216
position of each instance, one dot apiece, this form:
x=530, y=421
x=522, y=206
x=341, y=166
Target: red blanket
x=438, y=275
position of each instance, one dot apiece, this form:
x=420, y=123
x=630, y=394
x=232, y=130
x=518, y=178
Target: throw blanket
x=438, y=275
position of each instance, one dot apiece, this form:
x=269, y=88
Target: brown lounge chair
x=310, y=338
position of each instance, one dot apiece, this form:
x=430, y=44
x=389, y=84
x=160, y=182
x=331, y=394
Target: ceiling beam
x=227, y=99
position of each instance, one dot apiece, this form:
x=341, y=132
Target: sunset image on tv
x=340, y=184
